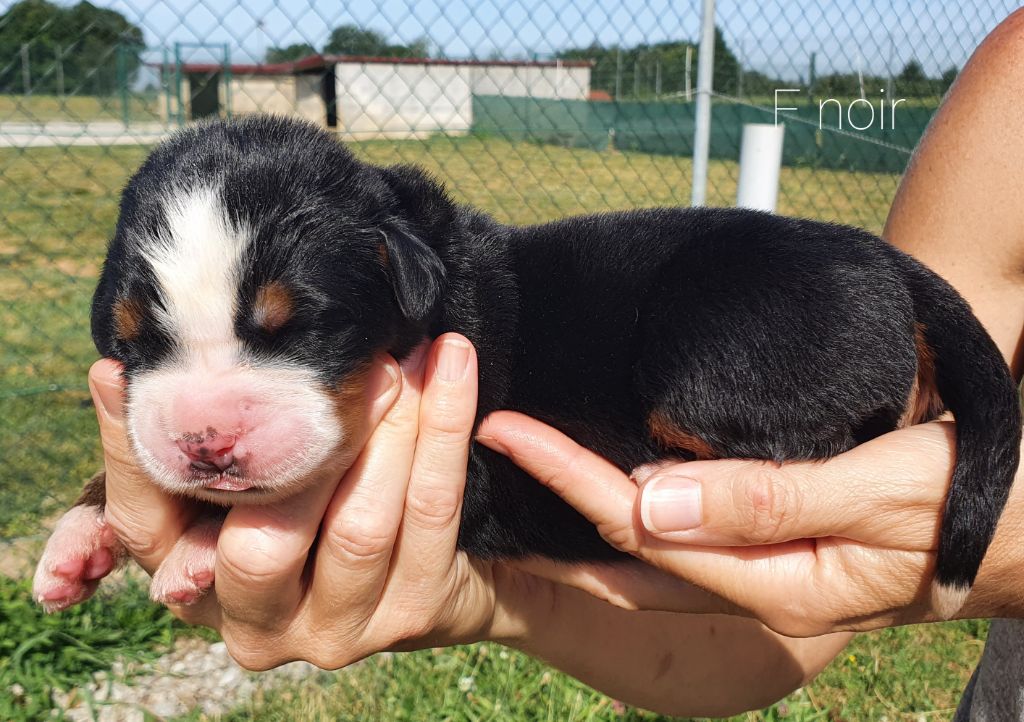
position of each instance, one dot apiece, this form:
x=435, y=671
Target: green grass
x=57, y=209
x=77, y=108
x=41, y=653
x=899, y=674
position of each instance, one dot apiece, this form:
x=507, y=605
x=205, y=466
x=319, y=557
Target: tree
x=353, y=40
x=289, y=53
x=634, y=71
x=727, y=67
x=92, y=50
x=912, y=73
x=948, y=76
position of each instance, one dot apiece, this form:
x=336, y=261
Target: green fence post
x=227, y=81
x=122, y=83
x=165, y=79
x=177, y=83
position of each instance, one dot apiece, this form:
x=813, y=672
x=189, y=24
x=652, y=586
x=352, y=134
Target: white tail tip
x=947, y=600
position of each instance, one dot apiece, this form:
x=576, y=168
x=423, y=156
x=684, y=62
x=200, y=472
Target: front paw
x=187, y=572
x=81, y=551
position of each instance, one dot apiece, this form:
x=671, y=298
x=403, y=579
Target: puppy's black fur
x=643, y=335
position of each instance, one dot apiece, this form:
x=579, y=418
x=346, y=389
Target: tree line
x=83, y=49
x=44, y=48
x=646, y=71
x=353, y=40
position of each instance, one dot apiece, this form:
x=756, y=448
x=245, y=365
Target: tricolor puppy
x=258, y=266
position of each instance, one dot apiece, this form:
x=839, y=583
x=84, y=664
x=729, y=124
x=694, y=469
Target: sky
x=773, y=36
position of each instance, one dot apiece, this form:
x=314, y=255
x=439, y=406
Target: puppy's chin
x=231, y=489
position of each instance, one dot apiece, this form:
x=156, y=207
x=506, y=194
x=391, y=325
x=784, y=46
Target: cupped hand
x=806, y=547
x=334, y=575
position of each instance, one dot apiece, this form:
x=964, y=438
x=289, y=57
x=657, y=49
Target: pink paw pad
x=81, y=551
x=188, y=571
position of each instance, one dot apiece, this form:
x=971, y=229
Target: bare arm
x=682, y=664
x=960, y=207
x=959, y=210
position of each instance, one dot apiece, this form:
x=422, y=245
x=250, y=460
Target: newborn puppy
x=258, y=266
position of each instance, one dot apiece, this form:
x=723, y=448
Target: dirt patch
x=196, y=675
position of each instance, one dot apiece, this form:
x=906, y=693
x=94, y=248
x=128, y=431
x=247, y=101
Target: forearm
x=680, y=664
x=958, y=207
x=958, y=210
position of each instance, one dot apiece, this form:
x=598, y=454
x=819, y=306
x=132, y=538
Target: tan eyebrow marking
x=127, y=318
x=273, y=306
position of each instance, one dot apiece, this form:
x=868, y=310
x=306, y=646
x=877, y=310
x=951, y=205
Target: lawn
x=77, y=108
x=57, y=208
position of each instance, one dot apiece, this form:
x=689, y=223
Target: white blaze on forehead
x=197, y=267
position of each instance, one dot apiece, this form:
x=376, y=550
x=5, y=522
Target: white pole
x=702, y=130
x=689, y=63
x=26, y=73
x=760, y=162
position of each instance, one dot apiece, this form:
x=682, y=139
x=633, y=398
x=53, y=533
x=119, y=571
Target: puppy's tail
x=975, y=384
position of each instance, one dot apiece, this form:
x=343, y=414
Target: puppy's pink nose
x=212, y=450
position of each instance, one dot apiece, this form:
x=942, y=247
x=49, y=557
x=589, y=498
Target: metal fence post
x=177, y=84
x=227, y=81
x=702, y=127
x=122, y=84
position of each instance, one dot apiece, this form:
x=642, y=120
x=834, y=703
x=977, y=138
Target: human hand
x=806, y=547
x=384, y=573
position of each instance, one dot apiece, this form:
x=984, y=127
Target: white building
x=368, y=97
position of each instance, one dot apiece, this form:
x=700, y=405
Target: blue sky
x=775, y=36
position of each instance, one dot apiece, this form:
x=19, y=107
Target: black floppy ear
x=417, y=274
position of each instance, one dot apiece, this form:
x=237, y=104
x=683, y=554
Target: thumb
x=147, y=520
x=739, y=503
x=882, y=492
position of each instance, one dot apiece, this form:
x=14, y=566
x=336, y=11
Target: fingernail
x=383, y=382
x=111, y=400
x=491, y=443
x=670, y=503
x=452, y=359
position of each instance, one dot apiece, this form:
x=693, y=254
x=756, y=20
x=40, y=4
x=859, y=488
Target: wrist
x=522, y=605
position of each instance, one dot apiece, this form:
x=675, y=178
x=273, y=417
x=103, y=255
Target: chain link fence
x=528, y=109
x=531, y=109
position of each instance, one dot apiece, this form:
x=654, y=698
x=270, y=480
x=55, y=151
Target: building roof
x=319, y=62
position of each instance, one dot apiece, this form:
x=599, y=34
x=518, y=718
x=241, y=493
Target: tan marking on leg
x=924, y=403
x=672, y=437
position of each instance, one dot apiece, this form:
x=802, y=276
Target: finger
x=363, y=518
x=804, y=572
x=631, y=585
x=146, y=520
x=433, y=503
x=591, y=484
x=888, y=492
x=263, y=550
